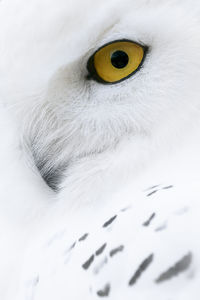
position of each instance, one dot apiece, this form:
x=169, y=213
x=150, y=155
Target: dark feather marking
x=152, y=187
x=142, y=267
x=83, y=237
x=105, y=291
x=126, y=208
x=153, y=192
x=109, y=221
x=148, y=222
x=167, y=187
x=116, y=250
x=88, y=262
x=101, y=249
x=161, y=227
x=72, y=246
x=181, y=266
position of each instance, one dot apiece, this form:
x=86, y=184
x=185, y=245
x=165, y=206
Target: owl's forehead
x=35, y=23
x=44, y=19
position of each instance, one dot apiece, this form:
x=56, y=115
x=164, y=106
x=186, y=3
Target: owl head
x=101, y=80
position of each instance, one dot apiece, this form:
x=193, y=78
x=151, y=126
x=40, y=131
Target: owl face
x=68, y=111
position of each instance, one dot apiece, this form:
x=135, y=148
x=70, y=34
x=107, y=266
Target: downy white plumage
x=75, y=151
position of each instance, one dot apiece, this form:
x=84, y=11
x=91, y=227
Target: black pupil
x=119, y=59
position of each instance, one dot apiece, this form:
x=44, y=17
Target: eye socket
x=116, y=61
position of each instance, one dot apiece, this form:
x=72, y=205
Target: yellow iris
x=116, y=61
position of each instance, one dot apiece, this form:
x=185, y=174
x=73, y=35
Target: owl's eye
x=116, y=61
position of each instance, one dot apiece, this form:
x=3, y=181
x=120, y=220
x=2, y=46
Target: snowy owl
x=100, y=143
